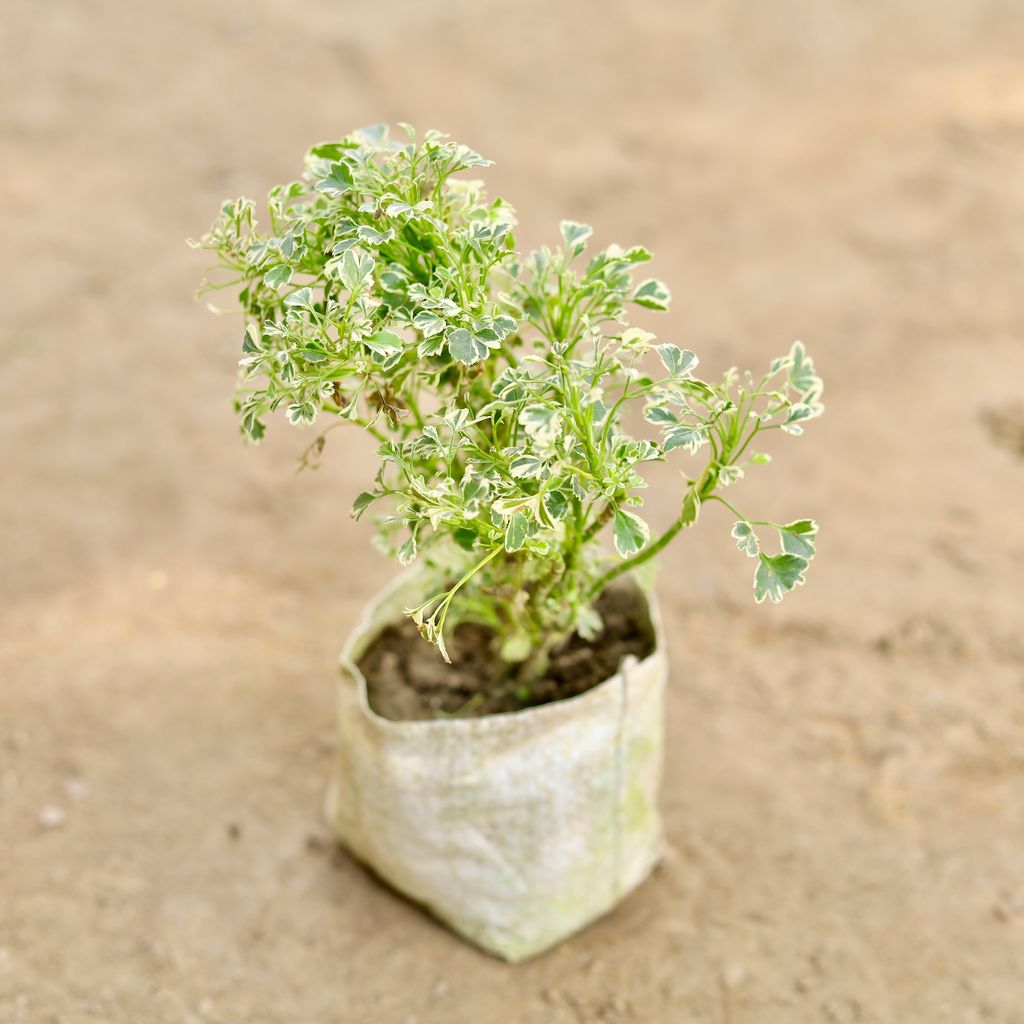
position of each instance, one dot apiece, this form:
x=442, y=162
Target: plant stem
x=729, y=505
x=594, y=528
x=536, y=663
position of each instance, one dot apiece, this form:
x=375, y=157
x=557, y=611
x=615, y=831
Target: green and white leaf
x=337, y=181
x=362, y=503
x=684, y=436
x=630, y=533
x=776, y=575
x=251, y=340
x=433, y=346
x=516, y=531
x=691, y=507
x=542, y=423
x=659, y=415
x=385, y=345
x=556, y=504
x=526, y=467
x=798, y=414
x=802, y=377
x=407, y=552
x=356, y=267
x=278, y=276
x=798, y=538
x=575, y=235
x=746, y=539
x=456, y=418
x=653, y=294
x=301, y=412
x=429, y=323
x=374, y=237
x=466, y=347
x=679, y=362
x=729, y=475
x=637, y=340
x=636, y=254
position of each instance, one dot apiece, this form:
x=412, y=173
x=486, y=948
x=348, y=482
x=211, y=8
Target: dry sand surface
x=845, y=778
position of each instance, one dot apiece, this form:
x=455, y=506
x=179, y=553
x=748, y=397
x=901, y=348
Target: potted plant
x=502, y=771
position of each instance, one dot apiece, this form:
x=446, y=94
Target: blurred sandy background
x=845, y=782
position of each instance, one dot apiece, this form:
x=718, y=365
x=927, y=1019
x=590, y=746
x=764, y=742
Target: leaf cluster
x=388, y=291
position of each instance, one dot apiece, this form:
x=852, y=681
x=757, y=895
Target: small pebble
x=157, y=579
x=734, y=975
x=52, y=816
x=77, y=789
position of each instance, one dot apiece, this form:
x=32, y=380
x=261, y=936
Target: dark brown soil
x=407, y=678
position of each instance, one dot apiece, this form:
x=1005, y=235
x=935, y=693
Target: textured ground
x=845, y=782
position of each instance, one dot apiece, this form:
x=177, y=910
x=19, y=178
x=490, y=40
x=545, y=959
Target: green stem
x=594, y=528
x=411, y=401
x=729, y=505
x=743, y=447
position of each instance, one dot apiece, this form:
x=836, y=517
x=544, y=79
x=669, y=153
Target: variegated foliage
x=388, y=291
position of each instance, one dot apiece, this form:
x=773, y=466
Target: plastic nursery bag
x=514, y=829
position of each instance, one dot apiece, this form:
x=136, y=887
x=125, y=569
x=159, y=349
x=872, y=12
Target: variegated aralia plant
x=388, y=292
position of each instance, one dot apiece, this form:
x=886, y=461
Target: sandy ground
x=845, y=780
